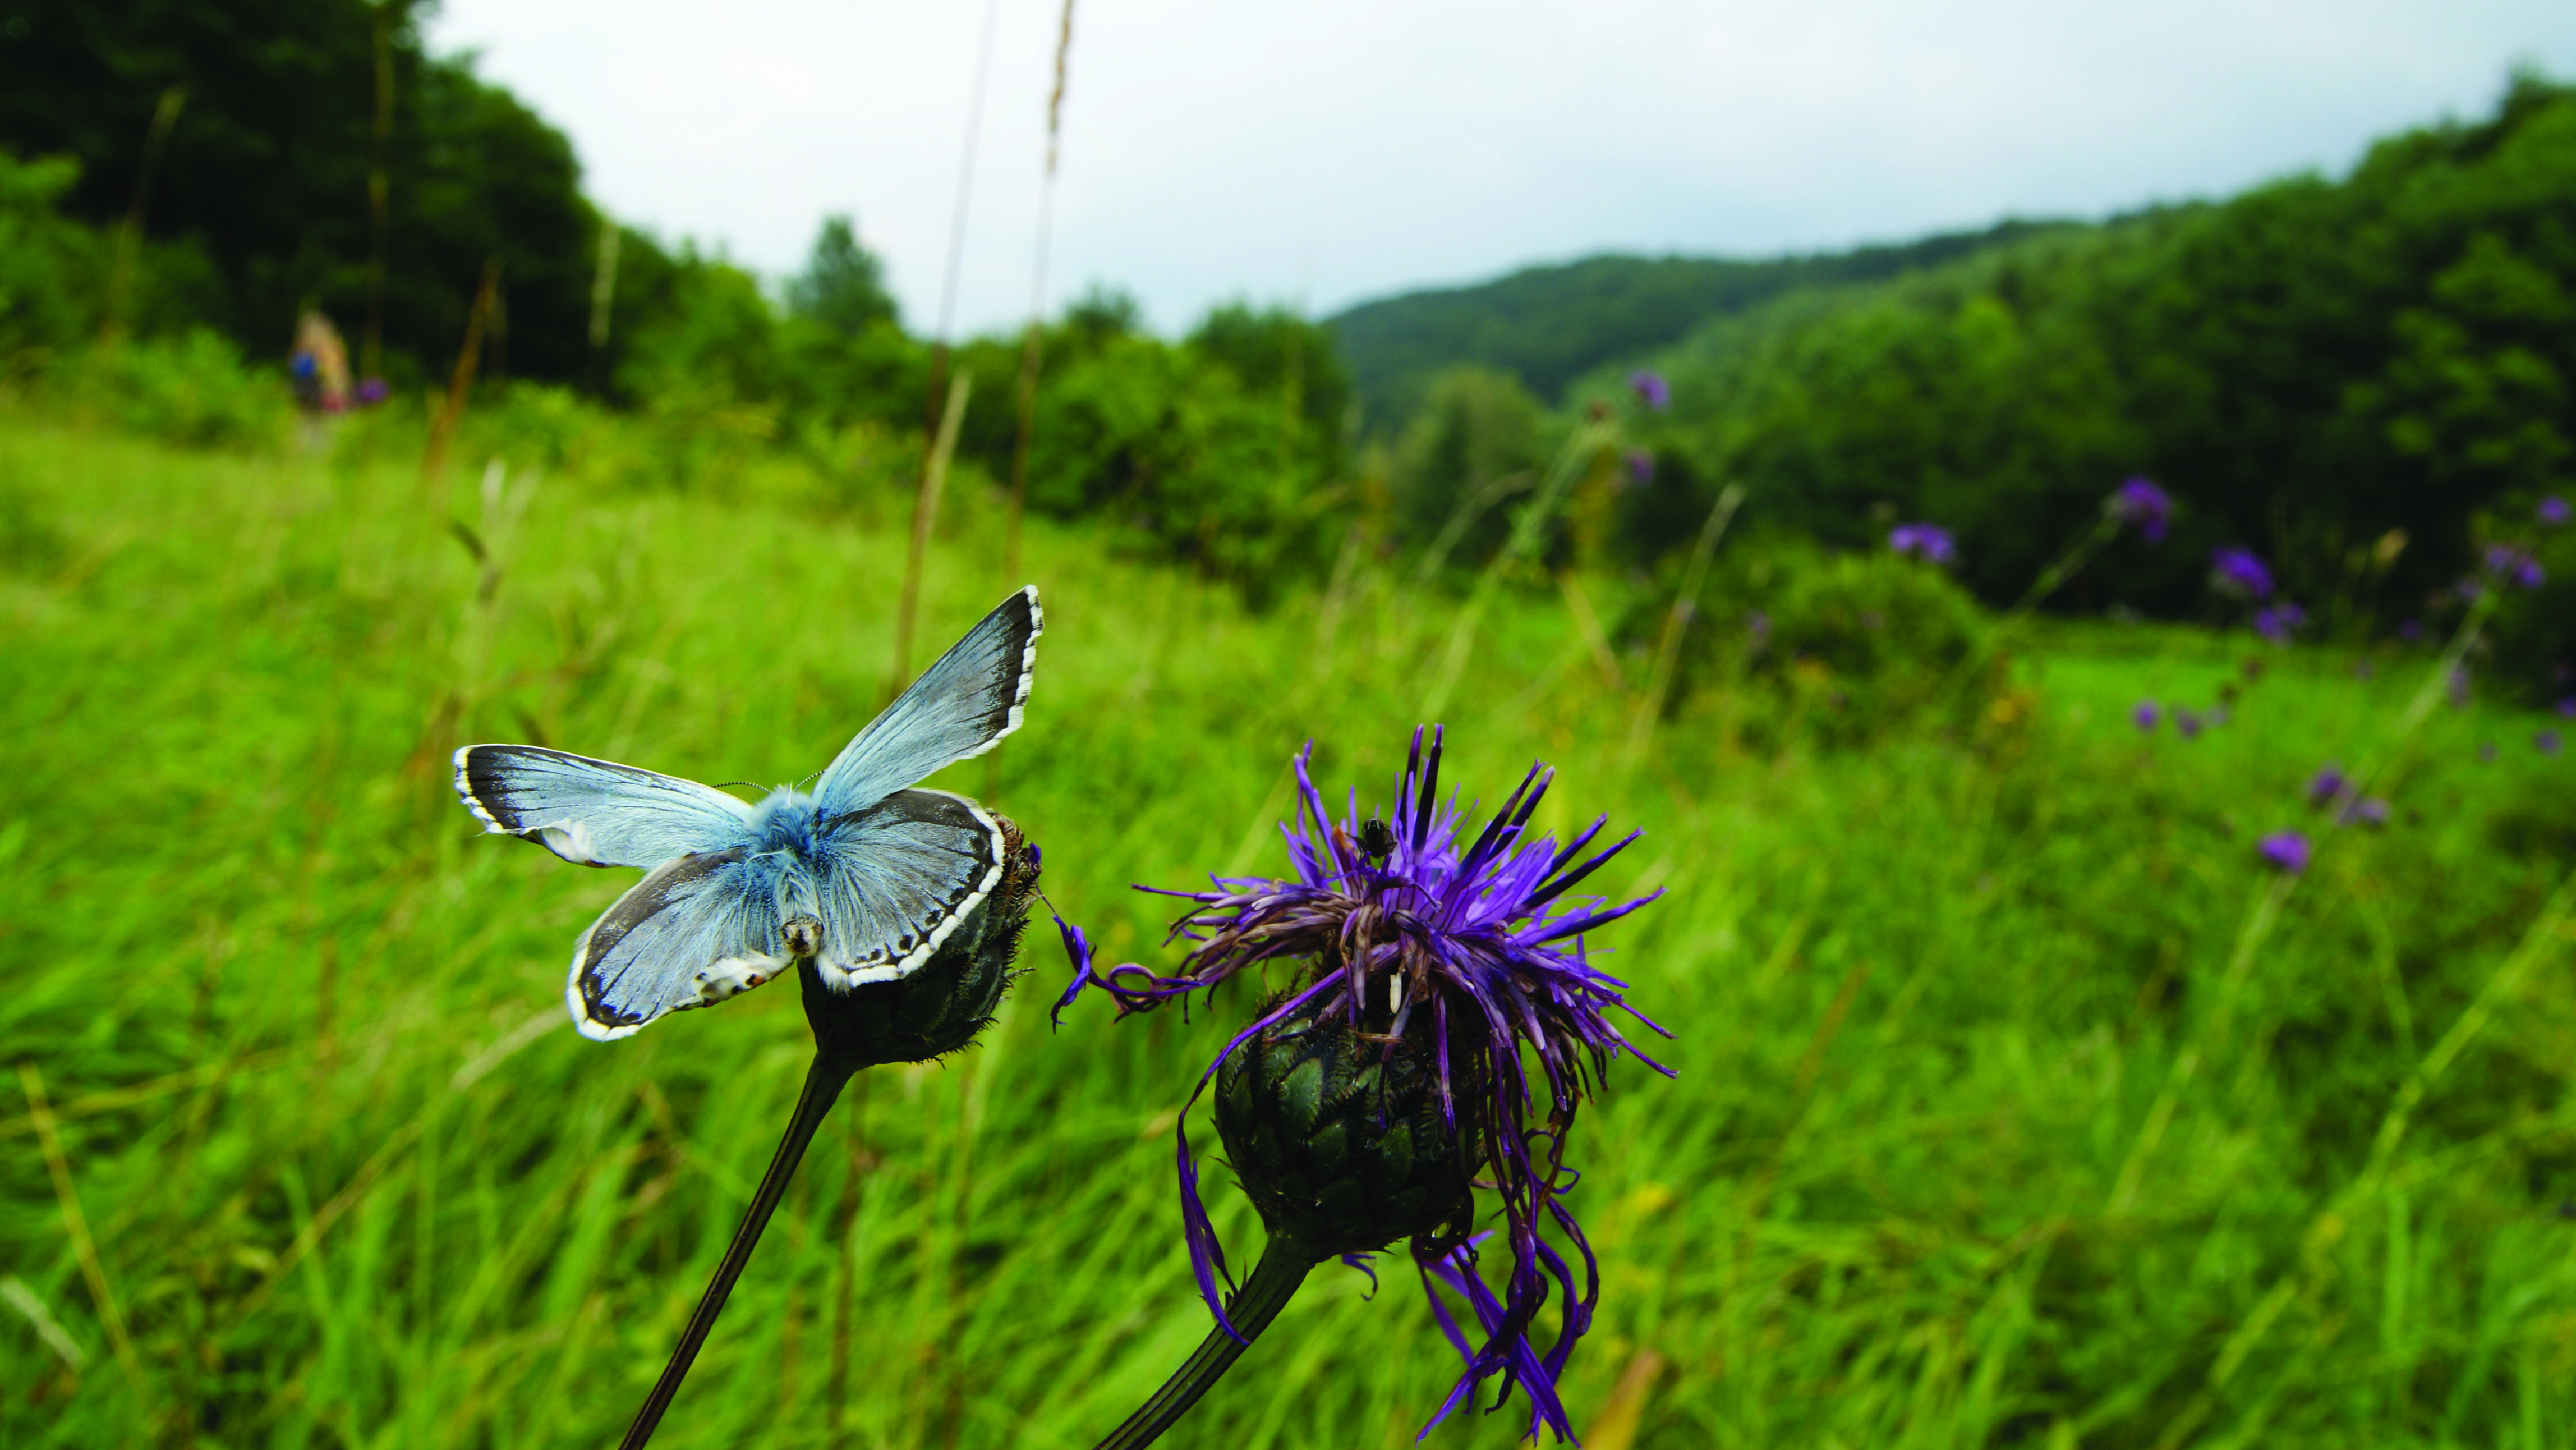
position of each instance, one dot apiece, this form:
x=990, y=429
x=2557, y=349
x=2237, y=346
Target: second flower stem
x=1284, y=1265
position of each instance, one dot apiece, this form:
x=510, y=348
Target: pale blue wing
x=960, y=707
x=897, y=878
x=593, y=812
x=694, y=932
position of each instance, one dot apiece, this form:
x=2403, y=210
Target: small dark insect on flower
x=1388, y=1080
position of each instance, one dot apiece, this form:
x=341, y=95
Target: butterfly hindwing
x=596, y=812
x=961, y=706
x=897, y=878
x=694, y=932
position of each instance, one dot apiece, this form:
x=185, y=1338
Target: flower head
x=1641, y=467
x=371, y=391
x=2285, y=851
x=1460, y=963
x=2146, y=715
x=2236, y=571
x=2278, y=622
x=2547, y=742
x=1928, y=542
x=1651, y=389
x=2140, y=505
x=2370, y=811
x=2326, y=784
x=2567, y=708
x=2515, y=566
x=2186, y=723
x=2552, y=512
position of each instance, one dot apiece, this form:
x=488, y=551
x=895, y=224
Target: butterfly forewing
x=596, y=812
x=897, y=878
x=960, y=707
x=696, y=931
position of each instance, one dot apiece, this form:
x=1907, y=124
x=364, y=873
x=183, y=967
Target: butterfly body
x=865, y=878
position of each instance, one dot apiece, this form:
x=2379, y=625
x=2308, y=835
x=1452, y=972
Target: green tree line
x=2365, y=379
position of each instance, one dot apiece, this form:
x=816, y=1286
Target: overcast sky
x=1324, y=152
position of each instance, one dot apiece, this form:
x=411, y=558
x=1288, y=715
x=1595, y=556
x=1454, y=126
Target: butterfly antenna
x=823, y=1084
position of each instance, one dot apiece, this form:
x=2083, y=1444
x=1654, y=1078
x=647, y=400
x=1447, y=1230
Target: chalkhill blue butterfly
x=864, y=878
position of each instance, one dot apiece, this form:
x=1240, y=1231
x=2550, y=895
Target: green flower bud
x=1338, y=1136
x=943, y=1005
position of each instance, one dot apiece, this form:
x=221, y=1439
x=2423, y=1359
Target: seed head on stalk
x=1389, y=1082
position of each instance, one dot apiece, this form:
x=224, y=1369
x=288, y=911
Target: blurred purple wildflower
x=2146, y=715
x=1651, y=389
x=2411, y=631
x=2546, y=742
x=1641, y=467
x=1929, y=542
x=2367, y=811
x=1482, y=951
x=2515, y=566
x=2457, y=686
x=2553, y=512
x=2186, y=723
x=2236, y=571
x=1757, y=629
x=2140, y=505
x=371, y=391
x=2326, y=785
x=2285, y=851
x=2486, y=752
x=2567, y=708
x=2278, y=622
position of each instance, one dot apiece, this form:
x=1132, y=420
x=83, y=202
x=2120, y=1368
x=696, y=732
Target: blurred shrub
x=1168, y=445
x=52, y=271
x=193, y=390
x=1477, y=445
x=2534, y=630
x=1842, y=649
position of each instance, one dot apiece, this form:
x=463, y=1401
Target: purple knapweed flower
x=1651, y=389
x=1641, y=467
x=2146, y=715
x=2285, y=851
x=2411, y=631
x=2326, y=784
x=2236, y=571
x=2140, y=505
x=2552, y=512
x=2186, y=723
x=2567, y=708
x=1928, y=542
x=371, y=391
x=2546, y=742
x=2278, y=622
x=2370, y=811
x=2515, y=566
x=1451, y=963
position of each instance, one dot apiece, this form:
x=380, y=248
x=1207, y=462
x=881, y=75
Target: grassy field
x=2017, y=1102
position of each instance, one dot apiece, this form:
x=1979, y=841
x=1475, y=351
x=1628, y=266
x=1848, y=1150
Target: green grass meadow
x=2017, y=1103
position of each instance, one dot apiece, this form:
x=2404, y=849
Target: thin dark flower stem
x=823, y=1084
x=1284, y=1265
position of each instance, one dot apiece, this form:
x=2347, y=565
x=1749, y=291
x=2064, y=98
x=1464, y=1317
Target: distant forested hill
x=1549, y=325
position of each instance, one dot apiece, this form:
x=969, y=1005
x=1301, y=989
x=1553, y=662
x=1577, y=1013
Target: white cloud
x=1335, y=150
